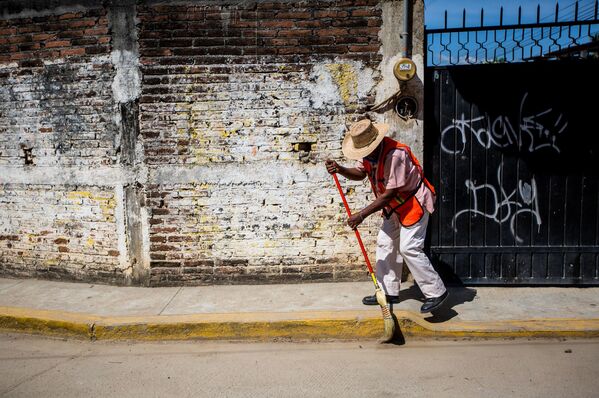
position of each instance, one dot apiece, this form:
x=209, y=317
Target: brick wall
x=78, y=240
x=56, y=99
x=236, y=87
x=209, y=170
x=57, y=118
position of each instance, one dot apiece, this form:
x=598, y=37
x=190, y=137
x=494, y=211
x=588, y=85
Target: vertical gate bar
x=442, y=93
x=531, y=274
x=597, y=240
x=548, y=215
x=470, y=196
x=565, y=227
x=582, y=181
x=501, y=208
x=519, y=15
x=516, y=218
x=455, y=177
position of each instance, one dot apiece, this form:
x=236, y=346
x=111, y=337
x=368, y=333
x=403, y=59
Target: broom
x=380, y=296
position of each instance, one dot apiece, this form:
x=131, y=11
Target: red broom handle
x=356, y=229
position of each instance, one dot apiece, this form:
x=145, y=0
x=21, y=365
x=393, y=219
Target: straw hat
x=362, y=138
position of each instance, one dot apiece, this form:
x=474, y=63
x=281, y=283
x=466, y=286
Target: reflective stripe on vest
x=407, y=207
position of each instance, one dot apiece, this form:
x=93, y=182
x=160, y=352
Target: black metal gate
x=512, y=146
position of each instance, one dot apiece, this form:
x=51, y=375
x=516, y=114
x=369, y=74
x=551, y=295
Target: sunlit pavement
x=39, y=366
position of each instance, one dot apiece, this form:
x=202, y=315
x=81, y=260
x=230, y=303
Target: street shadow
x=398, y=337
x=458, y=294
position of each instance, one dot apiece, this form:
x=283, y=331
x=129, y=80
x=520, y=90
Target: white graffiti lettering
x=504, y=207
x=536, y=131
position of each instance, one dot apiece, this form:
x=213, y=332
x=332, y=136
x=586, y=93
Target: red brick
x=366, y=12
x=8, y=31
x=72, y=51
x=294, y=15
x=82, y=23
x=70, y=15
x=330, y=14
x=276, y=24
x=295, y=33
x=293, y=50
x=97, y=31
x=61, y=43
x=331, y=32
x=29, y=29
x=363, y=49
x=42, y=36
x=16, y=56
x=19, y=39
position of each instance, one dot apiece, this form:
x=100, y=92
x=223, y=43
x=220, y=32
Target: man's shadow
x=458, y=294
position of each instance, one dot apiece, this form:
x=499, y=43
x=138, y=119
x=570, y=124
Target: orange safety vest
x=407, y=207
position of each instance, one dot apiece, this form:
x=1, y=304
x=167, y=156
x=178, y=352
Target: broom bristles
x=389, y=333
x=387, y=316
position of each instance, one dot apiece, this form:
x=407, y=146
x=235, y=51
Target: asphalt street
x=39, y=366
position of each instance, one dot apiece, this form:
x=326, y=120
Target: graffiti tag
x=536, y=131
x=504, y=207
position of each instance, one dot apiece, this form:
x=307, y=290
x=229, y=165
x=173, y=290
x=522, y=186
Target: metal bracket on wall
x=406, y=107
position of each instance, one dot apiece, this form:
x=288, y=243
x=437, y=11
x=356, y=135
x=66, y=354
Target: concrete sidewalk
x=307, y=311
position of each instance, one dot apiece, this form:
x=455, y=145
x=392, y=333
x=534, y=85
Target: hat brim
x=358, y=153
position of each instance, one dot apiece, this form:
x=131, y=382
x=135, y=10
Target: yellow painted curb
x=308, y=325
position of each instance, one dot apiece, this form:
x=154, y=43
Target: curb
x=313, y=325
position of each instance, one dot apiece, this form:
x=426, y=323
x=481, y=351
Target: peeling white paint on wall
x=127, y=80
x=340, y=82
x=125, y=54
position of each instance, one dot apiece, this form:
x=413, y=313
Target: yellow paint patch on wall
x=107, y=204
x=346, y=79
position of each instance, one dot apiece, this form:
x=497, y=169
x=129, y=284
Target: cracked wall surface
x=168, y=143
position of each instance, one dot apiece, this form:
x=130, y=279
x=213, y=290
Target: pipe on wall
x=405, y=35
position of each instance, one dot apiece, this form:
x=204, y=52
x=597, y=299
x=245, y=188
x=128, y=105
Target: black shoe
x=433, y=303
x=371, y=300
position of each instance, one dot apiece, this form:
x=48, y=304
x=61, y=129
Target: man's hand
x=332, y=166
x=355, y=220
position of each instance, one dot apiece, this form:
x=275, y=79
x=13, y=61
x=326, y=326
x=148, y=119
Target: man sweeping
x=406, y=199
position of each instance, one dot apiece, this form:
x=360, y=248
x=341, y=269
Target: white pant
x=395, y=242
